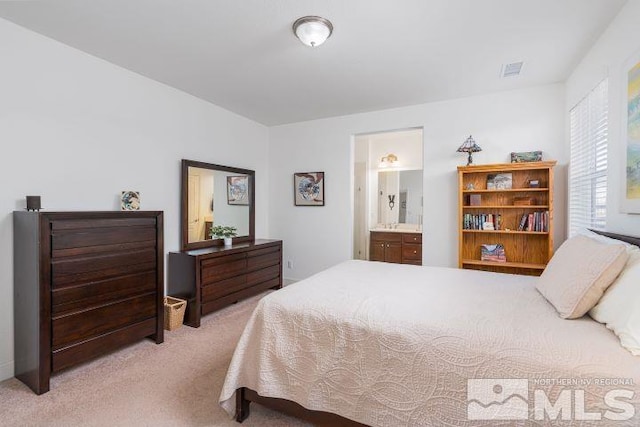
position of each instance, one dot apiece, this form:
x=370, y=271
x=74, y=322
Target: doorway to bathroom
x=388, y=195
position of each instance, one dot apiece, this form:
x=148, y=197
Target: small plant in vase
x=224, y=232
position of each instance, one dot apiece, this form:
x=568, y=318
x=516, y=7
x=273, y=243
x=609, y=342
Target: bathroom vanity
x=399, y=246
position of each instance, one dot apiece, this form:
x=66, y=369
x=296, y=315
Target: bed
x=368, y=343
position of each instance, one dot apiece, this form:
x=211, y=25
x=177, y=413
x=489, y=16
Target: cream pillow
x=619, y=308
x=608, y=240
x=579, y=273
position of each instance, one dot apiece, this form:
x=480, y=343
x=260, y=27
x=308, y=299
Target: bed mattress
x=400, y=345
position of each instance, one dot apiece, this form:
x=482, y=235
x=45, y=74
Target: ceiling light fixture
x=388, y=161
x=312, y=30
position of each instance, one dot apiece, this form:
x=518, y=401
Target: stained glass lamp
x=469, y=146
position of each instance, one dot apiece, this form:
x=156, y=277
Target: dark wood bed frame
x=245, y=396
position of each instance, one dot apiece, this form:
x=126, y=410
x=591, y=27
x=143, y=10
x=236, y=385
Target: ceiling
x=243, y=56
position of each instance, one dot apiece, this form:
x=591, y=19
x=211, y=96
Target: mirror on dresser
x=215, y=195
x=206, y=273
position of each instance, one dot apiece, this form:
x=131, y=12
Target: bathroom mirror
x=215, y=195
x=400, y=197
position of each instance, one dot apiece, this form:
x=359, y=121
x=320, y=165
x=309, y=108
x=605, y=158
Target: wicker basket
x=174, y=309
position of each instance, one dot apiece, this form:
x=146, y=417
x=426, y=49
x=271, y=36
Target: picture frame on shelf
x=526, y=156
x=493, y=253
x=130, y=201
x=500, y=181
x=308, y=188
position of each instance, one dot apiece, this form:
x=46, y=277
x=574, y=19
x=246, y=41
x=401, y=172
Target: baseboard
x=6, y=371
x=286, y=281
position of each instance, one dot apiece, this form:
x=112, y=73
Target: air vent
x=510, y=70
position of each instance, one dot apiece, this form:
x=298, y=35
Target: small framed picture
x=237, y=190
x=500, y=181
x=526, y=156
x=308, y=188
x=130, y=201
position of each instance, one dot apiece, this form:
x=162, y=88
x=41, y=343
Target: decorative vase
x=228, y=241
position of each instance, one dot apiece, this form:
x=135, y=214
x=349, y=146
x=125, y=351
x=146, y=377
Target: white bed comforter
x=395, y=345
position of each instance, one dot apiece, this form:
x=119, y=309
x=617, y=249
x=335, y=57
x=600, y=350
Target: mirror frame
x=184, y=226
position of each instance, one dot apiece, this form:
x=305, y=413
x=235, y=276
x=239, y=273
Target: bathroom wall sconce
x=469, y=146
x=388, y=161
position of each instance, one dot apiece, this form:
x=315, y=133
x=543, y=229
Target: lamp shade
x=469, y=146
x=312, y=30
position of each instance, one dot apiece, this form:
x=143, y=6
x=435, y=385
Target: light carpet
x=176, y=383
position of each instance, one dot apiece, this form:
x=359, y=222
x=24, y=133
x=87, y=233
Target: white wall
x=606, y=58
x=78, y=130
x=318, y=237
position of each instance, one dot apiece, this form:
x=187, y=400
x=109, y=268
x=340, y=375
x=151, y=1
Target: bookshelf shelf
x=527, y=251
x=504, y=264
x=542, y=233
x=507, y=207
x=508, y=190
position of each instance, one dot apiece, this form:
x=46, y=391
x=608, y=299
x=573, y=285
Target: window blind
x=588, y=163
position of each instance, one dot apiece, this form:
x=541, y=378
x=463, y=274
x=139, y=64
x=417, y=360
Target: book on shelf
x=523, y=222
x=482, y=221
x=534, y=221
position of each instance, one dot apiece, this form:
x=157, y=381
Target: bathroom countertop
x=396, y=230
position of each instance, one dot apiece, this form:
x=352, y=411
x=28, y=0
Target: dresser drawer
x=263, y=275
x=386, y=236
x=102, y=292
x=220, y=268
x=77, y=242
x=266, y=260
x=412, y=238
x=75, y=271
x=224, y=287
x=89, y=349
x=82, y=325
x=411, y=251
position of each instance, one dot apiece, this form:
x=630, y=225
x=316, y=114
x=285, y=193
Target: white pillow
x=578, y=274
x=608, y=240
x=619, y=308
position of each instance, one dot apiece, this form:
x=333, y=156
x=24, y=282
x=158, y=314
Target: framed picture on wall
x=238, y=190
x=308, y=188
x=631, y=134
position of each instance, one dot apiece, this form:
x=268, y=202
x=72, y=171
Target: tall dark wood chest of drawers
x=215, y=277
x=85, y=283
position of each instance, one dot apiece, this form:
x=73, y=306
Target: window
x=588, y=164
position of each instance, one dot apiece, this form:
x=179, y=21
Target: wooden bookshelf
x=527, y=251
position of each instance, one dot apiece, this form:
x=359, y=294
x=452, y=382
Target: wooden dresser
x=396, y=247
x=215, y=277
x=85, y=283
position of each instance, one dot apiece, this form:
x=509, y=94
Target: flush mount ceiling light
x=312, y=30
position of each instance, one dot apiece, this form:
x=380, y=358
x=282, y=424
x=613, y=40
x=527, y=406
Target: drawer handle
x=387, y=245
x=415, y=238
x=382, y=245
x=415, y=252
